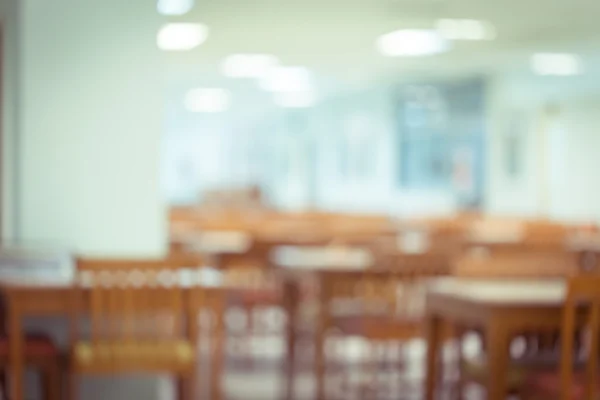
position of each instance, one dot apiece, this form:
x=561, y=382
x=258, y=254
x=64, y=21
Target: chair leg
x=180, y=388
x=186, y=387
x=4, y=385
x=51, y=381
x=460, y=383
x=249, y=339
x=72, y=386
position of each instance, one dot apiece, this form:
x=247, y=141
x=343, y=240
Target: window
x=441, y=138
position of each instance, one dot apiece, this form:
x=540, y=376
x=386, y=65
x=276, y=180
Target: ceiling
x=335, y=38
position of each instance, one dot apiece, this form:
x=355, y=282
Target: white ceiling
x=335, y=38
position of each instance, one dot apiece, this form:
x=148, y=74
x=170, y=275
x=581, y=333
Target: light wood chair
x=384, y=307
x=252, y=288
x=141, y=321
x=578, y=377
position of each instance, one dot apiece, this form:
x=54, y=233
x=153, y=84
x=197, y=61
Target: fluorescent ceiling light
x=556, y=64
x=248, y=65
x=287, y=79
x=465, y=29
x=412, y=43
x=174, y=7
x=207, y=100
x=181, y=36
x=296, y=99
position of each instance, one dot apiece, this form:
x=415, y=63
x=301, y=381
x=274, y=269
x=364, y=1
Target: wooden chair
x=383, y=307
x=40, y=353
x=581, y=310
x=141, y=321
x=520, y=260
x=252, y=287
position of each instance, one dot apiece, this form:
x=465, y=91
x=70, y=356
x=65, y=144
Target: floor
x=255, y=371
x=260, y=377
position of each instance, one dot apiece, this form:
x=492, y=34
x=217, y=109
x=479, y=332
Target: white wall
x=91, y=117
x=506, y=194
x=575, y=195
x=559, y=147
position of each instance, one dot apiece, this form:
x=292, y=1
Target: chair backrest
x=423, y=265
x=133, y=300
x=395, y=293
x=583, y=294
x=248, y=270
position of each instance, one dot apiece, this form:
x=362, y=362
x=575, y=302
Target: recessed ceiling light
x=174, y=7
x=296, y=99
x=412, y=43
x=248, y=65
x=559, y=64
x=181, y=36
x=207, y=100
x=287, y=79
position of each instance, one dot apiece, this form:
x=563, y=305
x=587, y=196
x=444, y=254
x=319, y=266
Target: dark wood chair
x=40, y=353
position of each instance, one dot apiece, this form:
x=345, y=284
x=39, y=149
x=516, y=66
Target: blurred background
x=398, y=107
x=139, y=128
x=474, y=105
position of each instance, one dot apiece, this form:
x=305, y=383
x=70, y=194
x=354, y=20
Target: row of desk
x=501, y=309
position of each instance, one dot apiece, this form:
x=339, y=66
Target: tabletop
x=541, y=292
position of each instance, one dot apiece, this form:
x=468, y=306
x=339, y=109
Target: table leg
x=291, y=305
x=217, y=341
x=15, y=338
x=497, y=339
x=433, y=370
x=322, y=323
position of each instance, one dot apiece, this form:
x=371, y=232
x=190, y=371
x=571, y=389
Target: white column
x=9, y=36
x=91, y=113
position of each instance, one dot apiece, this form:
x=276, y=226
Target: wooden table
x=295, y=265
x=502, y=308
x=54, y=299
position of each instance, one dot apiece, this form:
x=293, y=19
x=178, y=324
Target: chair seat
x=255, y=297
x=34, y=345
x=175, y=352
x=378, y=327
x=547, y=386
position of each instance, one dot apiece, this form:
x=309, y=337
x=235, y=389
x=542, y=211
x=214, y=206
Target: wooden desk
x=44, y=299
x=501, y=308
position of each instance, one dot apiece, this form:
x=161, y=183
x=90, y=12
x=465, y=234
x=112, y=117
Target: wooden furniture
x=255, y=291
x=502, y=309
x=140, y=321
x=485, y=259
x=383, y=307
x=567, y=384
x=299, y=276
x=41, y=353
x=30, y=299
